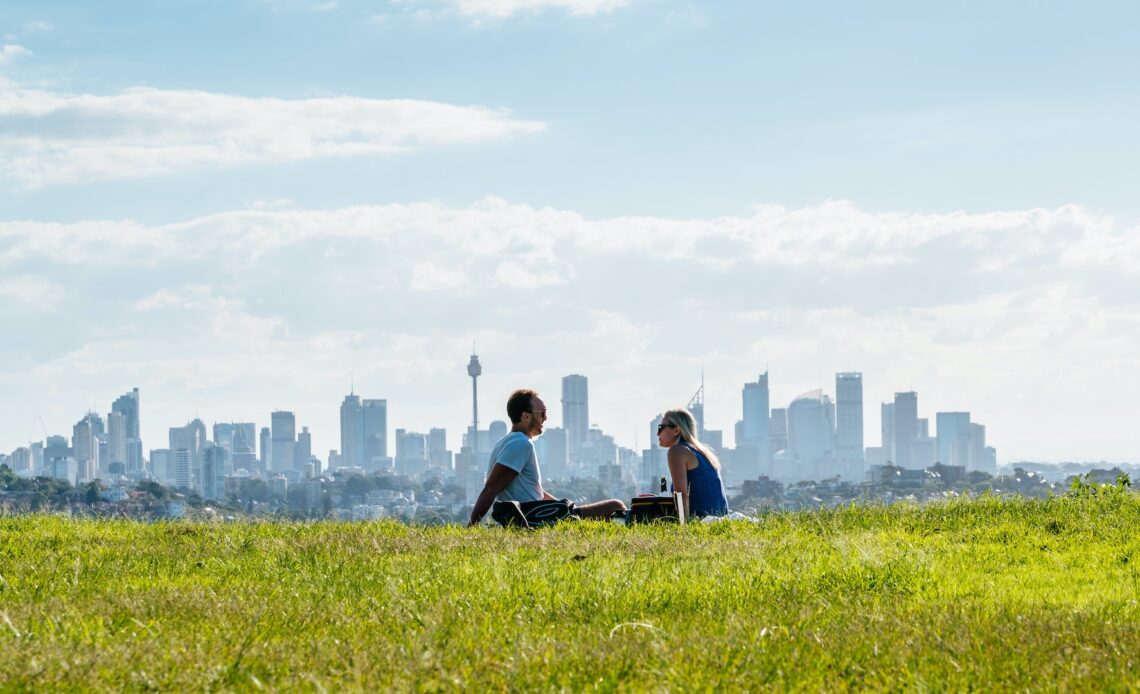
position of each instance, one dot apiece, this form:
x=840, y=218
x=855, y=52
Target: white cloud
x=428, y=277
x=517, y=275
x=11, y=51
x=34, y=291
x=51, y=138
x=1028, y=318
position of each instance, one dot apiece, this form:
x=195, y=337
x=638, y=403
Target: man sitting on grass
x=513, y=474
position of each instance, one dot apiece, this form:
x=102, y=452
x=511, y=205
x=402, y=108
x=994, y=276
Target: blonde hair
x=687, y=425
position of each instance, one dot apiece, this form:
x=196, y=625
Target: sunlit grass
x=972, y=594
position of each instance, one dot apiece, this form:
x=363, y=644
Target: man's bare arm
x=497, y=481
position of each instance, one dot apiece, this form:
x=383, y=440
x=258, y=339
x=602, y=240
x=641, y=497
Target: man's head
x=527, y=412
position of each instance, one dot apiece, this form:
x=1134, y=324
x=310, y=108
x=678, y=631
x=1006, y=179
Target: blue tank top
x=706, y=489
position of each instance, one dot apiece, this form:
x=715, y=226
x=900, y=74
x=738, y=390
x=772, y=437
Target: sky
x=254, y=205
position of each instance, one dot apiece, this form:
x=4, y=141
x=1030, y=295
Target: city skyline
x=363, y=429
x=633, y=191
x=815, y=439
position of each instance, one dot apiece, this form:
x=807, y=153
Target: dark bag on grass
x=651, y=509
x=531, y=514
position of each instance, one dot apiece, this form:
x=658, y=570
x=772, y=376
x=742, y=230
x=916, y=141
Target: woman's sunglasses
x=661, y=427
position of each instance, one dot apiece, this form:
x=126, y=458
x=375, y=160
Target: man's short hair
x=519, y=402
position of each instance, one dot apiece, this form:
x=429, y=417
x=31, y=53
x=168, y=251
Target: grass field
x=969, y=595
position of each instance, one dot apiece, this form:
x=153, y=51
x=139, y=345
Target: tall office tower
x=978, y=458
x=183, y=468
x=244, y=454
x=849, y=422
x=191, y=437
x=19, y=462
x=474, y=370
x=575, y=413
x=375, y=423
x=755, y=424
x=283, y=425
x=991, y=460
x=37, y=452
x=239, y=438
x=829, y=414
x=777, y=431
x=85, y=437
x=887, y=428
x=63, y=468
x=214, y=464
x=810, y=436
x=264, y=445
x=439, y=458
x=953, y=438
x=352, y=431
x=56, y=447
x=411, y=453
x=224, y=435
x=116, y=438
x=162, y=466
x=554, y=463
x=128, y=406
x=304, y=449
x=245, y=437
x=906, y=427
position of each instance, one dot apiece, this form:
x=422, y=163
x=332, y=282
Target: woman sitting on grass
x=694, y=468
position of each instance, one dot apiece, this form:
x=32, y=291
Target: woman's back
x=706, y=488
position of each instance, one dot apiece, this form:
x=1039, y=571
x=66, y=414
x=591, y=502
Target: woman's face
x=667, y=434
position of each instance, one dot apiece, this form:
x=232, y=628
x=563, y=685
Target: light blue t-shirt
x=516, y=451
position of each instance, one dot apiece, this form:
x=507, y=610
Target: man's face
x=535, y=418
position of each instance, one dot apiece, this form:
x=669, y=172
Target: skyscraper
x=953, y=436
x=575, y=413
x=192, y=439
x=375, y=427
x=85, y=445
x=304, y=449
x=849, y=422
x=411, y=453
x=265, y=447
x=439, y=457
x=905, y=427
x=810, y=434
x=352, y=431
x=283, y=425
x=240, y=440
x=553, y=459
x=979, y=460
x=214, y=464
x=755, y=425
x=128, y=406
x=116, y=438
x=887, y=430
x=183, y=468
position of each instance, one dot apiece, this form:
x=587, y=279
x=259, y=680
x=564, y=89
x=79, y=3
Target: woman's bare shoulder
x=680, y=451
